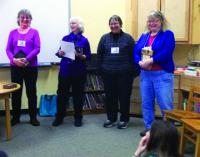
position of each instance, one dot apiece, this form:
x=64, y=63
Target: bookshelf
x=186, y=82
x=94, y=96
x=94, y=101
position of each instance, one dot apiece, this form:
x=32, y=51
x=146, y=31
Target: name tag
x=114, y=50
x=21, y=43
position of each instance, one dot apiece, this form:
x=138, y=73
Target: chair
x=177, y=115
x=191, y=132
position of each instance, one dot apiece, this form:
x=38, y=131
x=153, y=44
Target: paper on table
x=68, y=48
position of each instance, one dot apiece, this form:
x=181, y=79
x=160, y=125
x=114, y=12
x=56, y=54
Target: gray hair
x=160, y=16
x=116, y=18
x=25, y=12
x=79, y=21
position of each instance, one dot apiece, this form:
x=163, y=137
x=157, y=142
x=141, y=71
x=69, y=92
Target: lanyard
x=147, y=40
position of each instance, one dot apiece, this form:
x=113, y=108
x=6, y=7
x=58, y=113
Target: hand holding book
x=20, y=59
x=147, y=61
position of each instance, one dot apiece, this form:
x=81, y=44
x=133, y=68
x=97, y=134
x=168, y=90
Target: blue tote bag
x=48, y=105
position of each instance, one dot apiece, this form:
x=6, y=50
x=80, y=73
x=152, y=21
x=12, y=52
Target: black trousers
x=29, y=76
x=76, y=85
x=118, y=89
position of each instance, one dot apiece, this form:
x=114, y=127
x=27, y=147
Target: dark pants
x=76, y=84
x=29, y=76
x=118, y=89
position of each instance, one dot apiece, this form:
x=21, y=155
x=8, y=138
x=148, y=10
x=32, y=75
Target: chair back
x=193, y=103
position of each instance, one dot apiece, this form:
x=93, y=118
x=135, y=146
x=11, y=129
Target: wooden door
x=142, y=9
x=177, y=15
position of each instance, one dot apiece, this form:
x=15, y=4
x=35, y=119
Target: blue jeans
x=159, y=85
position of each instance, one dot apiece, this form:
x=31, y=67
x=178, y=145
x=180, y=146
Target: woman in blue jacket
x=154, y=54
x=72, y=73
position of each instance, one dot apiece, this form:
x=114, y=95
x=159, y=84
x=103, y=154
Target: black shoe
x=57, y=122
x=108, y=124
x=34, y=122
x=78, y=122
x=143, y=133
x=14, y=121
x=122, y=125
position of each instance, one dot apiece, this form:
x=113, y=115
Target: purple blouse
x=29, y=43
x=78, y=66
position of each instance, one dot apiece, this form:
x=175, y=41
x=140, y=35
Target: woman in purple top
x=22, y=49
x=72, y=73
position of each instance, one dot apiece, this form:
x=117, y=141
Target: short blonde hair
x=79, y=21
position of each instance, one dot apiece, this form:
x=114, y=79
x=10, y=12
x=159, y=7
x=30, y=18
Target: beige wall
x=95, y=15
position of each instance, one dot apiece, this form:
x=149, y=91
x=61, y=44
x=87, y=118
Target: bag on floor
x=48, y=105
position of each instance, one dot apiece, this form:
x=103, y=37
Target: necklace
x=147, y=40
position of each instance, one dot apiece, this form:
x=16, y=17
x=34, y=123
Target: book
x=20, y=54
x=9, y=85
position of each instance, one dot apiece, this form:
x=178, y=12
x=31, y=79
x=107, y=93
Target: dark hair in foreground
x=164, y=139
x=3, y=154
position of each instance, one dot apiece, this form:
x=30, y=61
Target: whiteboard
x=50, y=18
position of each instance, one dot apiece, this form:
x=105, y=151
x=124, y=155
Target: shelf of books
x=94, y=97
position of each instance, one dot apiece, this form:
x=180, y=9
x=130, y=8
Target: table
x=5, y=94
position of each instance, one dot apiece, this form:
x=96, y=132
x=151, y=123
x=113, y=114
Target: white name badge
x=114, y=50
x=21, y=43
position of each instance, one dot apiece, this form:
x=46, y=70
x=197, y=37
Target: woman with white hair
x=72, y=74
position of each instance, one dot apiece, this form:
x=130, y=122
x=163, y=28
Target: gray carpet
x=90, y=140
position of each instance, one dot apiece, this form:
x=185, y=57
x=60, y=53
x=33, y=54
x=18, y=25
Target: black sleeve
x=136, y=67
x=100, y=53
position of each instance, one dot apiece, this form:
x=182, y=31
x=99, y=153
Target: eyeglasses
x=153, y=21
x=25, y=17
x=114, y=23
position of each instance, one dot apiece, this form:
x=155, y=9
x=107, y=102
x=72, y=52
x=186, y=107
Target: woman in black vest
x=115, y=64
